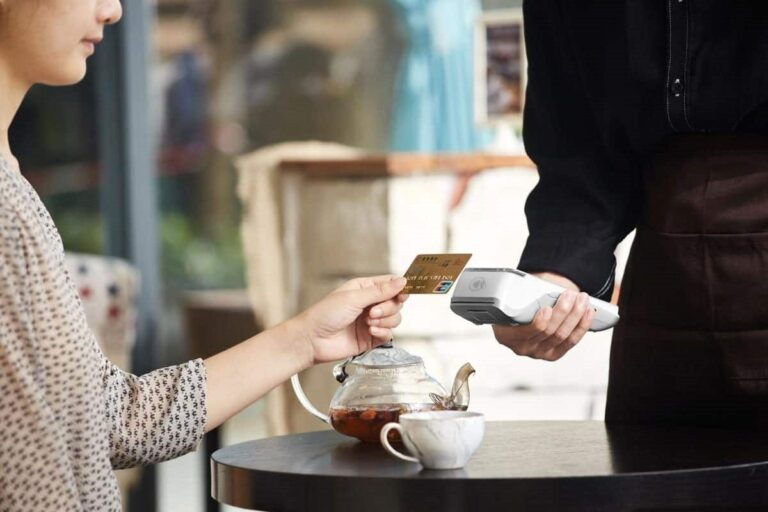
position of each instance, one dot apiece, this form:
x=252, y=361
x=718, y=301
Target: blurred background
x=153, y=159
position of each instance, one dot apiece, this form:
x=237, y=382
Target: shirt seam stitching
x=607, y=284
x=669, y=63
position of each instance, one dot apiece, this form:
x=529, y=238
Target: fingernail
x=400, y=282
x=583, y=299
x=375, y=312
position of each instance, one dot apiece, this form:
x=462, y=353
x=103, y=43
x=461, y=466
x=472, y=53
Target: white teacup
x=438, y=439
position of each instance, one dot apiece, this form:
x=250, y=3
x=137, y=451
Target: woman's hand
x=358, y=316
x=553, y=331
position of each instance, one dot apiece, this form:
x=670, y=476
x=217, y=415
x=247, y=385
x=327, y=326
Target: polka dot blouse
x=69, y=416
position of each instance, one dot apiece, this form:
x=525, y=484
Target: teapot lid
x=386, y=355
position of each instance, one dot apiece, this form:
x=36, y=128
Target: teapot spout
x=460, y=389
x=459, y=397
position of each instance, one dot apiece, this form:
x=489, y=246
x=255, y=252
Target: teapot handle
x=305, y=401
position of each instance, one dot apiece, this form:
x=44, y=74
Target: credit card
x=434, y=273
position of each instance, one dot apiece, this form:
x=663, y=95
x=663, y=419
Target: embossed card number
x=434, y=273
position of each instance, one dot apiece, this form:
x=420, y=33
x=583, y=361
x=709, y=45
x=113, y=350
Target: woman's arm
x=352, y=319
x=163, y=414
x=242, y=374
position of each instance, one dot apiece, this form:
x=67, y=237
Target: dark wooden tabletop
x=525, y=466
x=403, y=164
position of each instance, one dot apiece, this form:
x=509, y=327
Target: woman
x=653, y=115
x=69, y=415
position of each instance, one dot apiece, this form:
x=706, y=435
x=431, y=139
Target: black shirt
x=608, y=81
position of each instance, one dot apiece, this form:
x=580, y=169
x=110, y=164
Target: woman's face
x=48, y=41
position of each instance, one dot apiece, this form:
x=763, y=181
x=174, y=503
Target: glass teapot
x=379, y=385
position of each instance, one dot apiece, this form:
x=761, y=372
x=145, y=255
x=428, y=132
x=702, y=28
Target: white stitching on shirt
x=607, y=284
x=669, y=63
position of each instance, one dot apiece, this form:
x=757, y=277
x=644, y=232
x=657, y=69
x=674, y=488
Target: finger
x=561, y=310
x=380, y=333
x=385, y=278
x=387, y=322
x=360, y=283
x=375, y=342
x=539, y=325
x=366, y=282
x=576, y=336
x=575, y=318
x=403, y=297
x=387, y=308
x=519, y=338
x=570, y=322
x=518, y=333
x=380, y=291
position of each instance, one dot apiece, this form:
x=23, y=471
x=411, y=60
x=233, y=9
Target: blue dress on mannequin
x=434, y=99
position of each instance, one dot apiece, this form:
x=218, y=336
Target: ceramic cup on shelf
x=437, y=439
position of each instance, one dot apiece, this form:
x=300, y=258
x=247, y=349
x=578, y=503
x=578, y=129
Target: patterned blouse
x=69, y=416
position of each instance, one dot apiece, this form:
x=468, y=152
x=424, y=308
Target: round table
x=520, y=466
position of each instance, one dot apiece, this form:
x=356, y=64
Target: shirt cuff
x=588, y=262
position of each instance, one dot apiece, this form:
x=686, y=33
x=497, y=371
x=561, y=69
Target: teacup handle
x=388, y=447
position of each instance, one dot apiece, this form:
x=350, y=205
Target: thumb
x=377, y=292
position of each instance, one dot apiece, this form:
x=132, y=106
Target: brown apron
x=692, y=343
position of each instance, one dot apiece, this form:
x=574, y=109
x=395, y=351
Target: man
x=653, y=115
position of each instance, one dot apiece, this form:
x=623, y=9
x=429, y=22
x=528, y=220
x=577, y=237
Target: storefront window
x=55, y=139
x=233, y=76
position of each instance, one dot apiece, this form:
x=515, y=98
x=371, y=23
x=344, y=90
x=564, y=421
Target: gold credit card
x=434, y=273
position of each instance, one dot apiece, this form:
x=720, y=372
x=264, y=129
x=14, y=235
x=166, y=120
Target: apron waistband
x=708, y=184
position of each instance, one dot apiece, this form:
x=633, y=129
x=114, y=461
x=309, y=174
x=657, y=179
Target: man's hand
x=553, y=331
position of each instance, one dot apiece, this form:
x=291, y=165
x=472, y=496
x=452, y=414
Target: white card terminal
x=508, y=296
